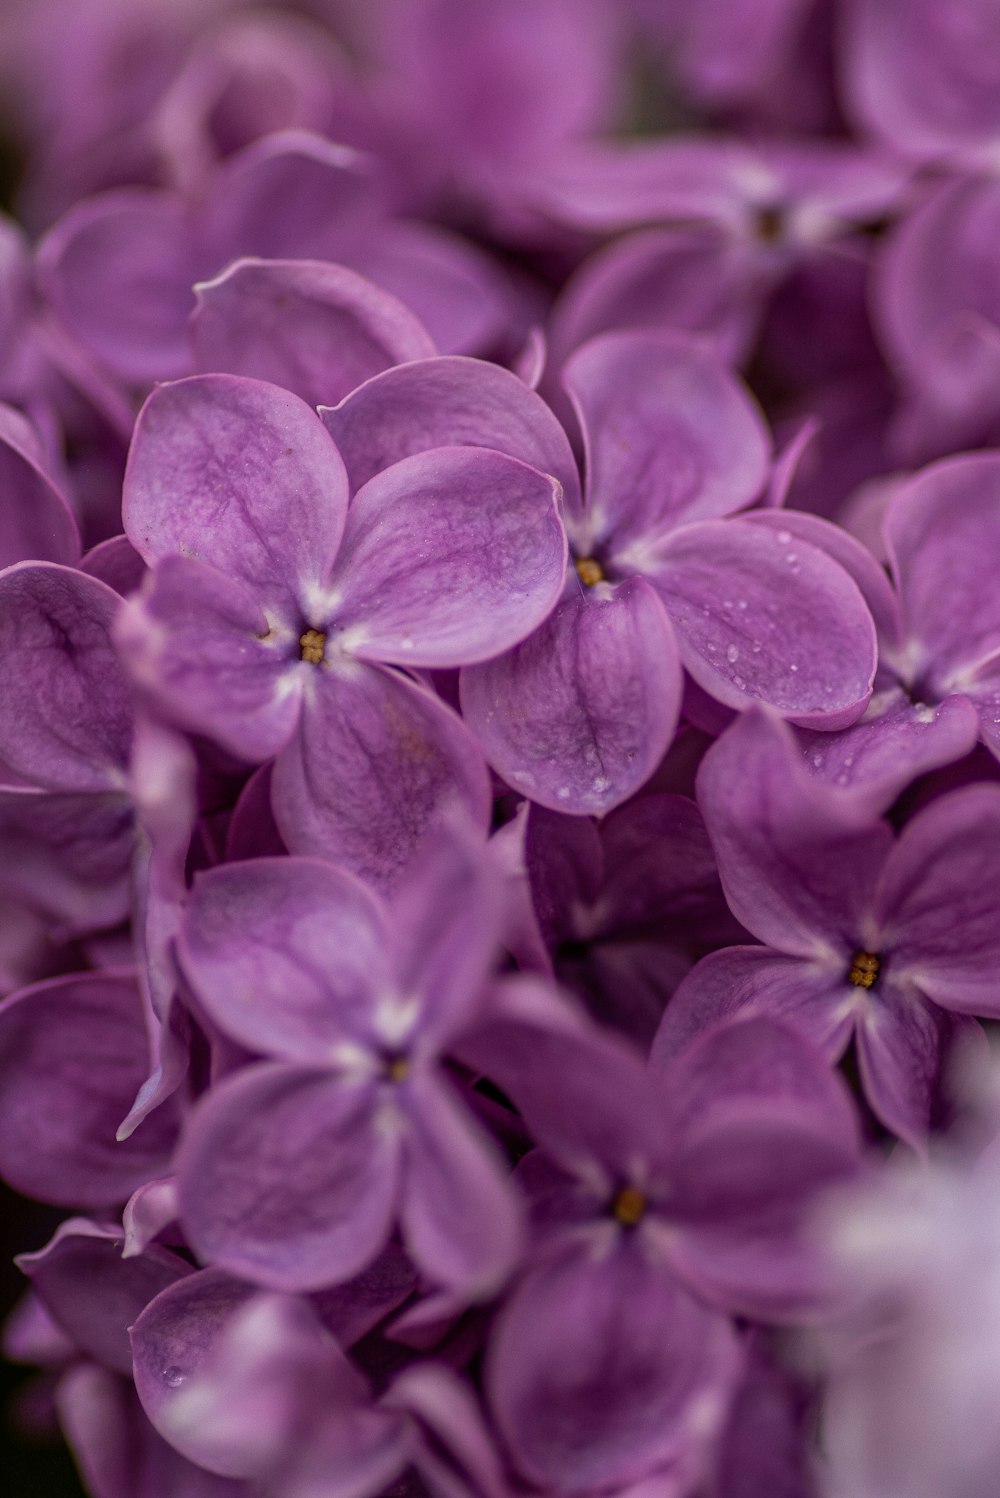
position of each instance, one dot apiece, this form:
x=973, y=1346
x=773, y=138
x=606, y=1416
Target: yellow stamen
x=311, y=646
x=864, y=969
x=589, y=570
x=399, y=1069
x=629, y=1206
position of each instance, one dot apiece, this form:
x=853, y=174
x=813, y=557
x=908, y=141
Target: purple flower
x=278, y=616
x=293, y=1172
x=658, y=1196
x=579, y=715
x=889, y=942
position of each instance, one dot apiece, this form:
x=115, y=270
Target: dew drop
x=173, y=1377
x=792, y=666
x=783, y=538
x=755, y=647
x=732, y=654
x=406, y=644
x=600, y=784
x=563, y=792
x=739, y=683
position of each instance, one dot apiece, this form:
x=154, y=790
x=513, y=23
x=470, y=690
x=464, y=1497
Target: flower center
x=864, y=970
x=589, y=570
x=311, y=646
x=397, y=1068
x=769, y=223
x=628, y=1206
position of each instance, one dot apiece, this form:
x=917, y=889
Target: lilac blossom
x=660, y=1200
x=890, y=942
x=293, y=1171
x=581, y=713
x=279, y=639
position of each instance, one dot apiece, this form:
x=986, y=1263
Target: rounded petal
x=317, y=329
x=798, y=860
x=287, y=1177
x=761, y=616
x=449, y=402
x=943, y=533
x=811, y=996
x=602, y=1370
x=198, y=645
x=73, y=1054
x=241, y=475
x=65, y=706
x=903, y=1047
x=579, y=716
x=937, y=901
x=670, y=435
x=376, y=762
x=449, y=557
x=118, y=270
x=286, y=955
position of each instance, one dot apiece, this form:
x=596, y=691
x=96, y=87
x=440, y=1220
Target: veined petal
x=65, y=707
x=286, y=955
x=241, y=475
x=449, y=402
x=376, y=761
x=450, y=556
x=199, y=645
x=761, y=616
x=73, y=1053
x=289, y=1177
x=670, y=434
x=580, y=714
x=317, y=329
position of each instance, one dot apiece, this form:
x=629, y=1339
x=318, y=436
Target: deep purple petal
x=376, y=761
x=903, y=1045
x=239, y=474
x=287, y=1177
x=65, y=708
x=92, y=1292
x=765, y=617
x=449, y=557
x=317, y=329
x=36, y=521
x=601, y=1370
x=798, y=861
x=73, y=1053
x=579, y=715
x=286, y=955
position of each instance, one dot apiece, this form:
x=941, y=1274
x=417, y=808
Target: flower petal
x=65, y=707
x=798, y=860
x=450, y=557
x=317, y=329
x=239, y=474
x=73, y=1053
x=580, y=715
x=375, y=763
x=449, y=402
x=284, y=954
x=287, y=1178
x=670, y=434
x=762, y=616
x=460, y=1214
x=602, y=1370
x=198, y=644
x=937, y=901
x=36, y=521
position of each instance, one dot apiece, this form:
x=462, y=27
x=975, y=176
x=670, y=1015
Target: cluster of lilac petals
x=499, y=738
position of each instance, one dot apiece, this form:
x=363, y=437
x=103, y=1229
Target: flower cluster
x=499, y=721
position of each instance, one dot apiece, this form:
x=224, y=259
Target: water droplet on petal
x=173, y=1377
x=784, y=537
x=563, y=792
x=792, y=666
x=732, y=654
